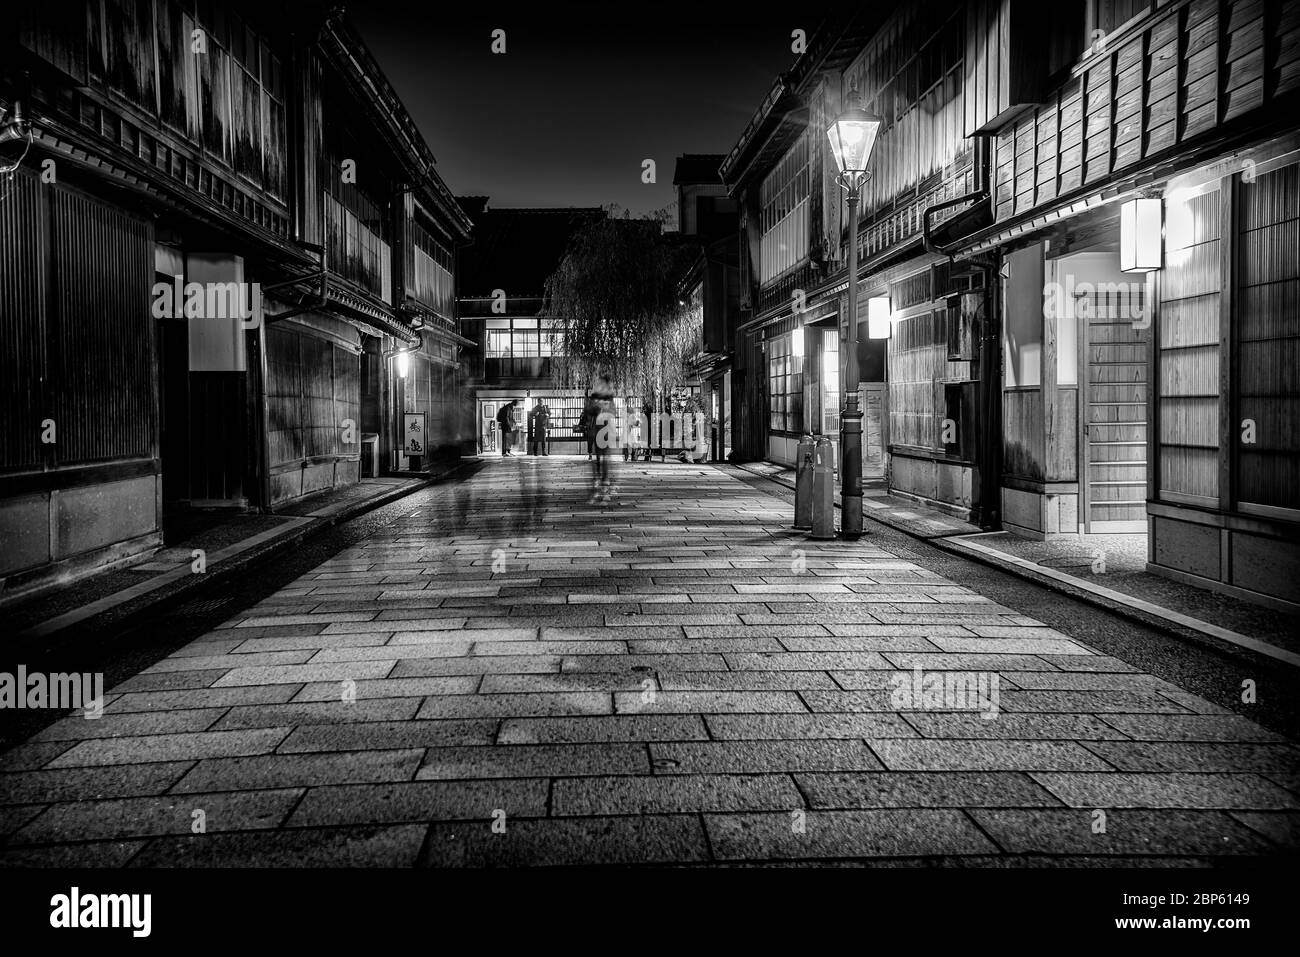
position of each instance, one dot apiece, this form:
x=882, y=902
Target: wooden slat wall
x=101, y=349
x=1023, y=443
x=1267, y=323
x=1198, y=65
x=1188, y=383
x=24, y=283
x=312, y=386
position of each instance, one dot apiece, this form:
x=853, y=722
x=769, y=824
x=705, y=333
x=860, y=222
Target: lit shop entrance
x=1076, y=340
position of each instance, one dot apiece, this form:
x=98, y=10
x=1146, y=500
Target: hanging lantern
x=879, y=314
x=1140, y=226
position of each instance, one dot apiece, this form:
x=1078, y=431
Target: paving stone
x=166, y=814
x=331, y=691
x=752, y=757
x=1187, y=727
x=810, y=661
x=516, y=705
x=1085, y=681
x=300, y=770
x=834, y=644
x=89, y=783
x=326, y=712
x=695, y=646
x=170, y=747
x=742, y=727
x=112, y=725
x=367, y=846
x=93, y=854
x=907, y=660
x=1282, y=828
x=1089, y=702
x=1208, y=790
x=392, y=652
x=227, y=662
x=35, y=753
x=1162, y=756
x=702, y=662
x=886, y=833
x=1061, y=727
x=14, y=816
x=1089, y=663
x=657, y=839
x=1011, y=646
x=1143, y=832
x=373, y=735
x=744, y=680
x=166, y=681
x=672, y=794
x=301, y=674
x=746, y=631
x=707, y=702
x=421, y=801
x=528, y=760
x=988, y=755
x=478, y=665
x=200, y=698
x=598, y=728
x=923, y=789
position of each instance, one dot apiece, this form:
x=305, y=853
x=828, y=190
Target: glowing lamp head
x=403, y=363
x=853, y=136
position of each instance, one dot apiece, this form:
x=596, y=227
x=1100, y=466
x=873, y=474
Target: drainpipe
x=989, y=406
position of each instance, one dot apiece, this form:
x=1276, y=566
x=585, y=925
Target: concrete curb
x=1127, y=606
x=192, y=586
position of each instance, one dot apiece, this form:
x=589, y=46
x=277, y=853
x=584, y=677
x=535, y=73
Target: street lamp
x=852, y=136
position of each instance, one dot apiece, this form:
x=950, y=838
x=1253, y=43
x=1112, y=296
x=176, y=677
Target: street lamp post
x=852, y=136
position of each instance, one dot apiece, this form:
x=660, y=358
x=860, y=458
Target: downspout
x=990, y=363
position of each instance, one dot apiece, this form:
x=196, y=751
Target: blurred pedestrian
x=507, y=426
x=587, y=423
x=605, y=426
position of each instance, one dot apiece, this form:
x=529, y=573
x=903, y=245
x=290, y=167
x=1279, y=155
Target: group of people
x=598, y=425
x=539, y=428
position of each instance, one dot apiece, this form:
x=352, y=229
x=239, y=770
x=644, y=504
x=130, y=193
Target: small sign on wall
x=415, y=439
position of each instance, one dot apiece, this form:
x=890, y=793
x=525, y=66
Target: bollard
x=823, y=490
x=803, y=483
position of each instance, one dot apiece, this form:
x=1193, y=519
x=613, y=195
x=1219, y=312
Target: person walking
x=587, y=423
x=507, y=426
x=542, y=428
x=532, y=431
x=603, y=428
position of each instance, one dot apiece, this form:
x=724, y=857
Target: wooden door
x=1116, y=339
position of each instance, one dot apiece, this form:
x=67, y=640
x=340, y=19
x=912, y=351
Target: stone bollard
x=803, y=483
x=823, y=489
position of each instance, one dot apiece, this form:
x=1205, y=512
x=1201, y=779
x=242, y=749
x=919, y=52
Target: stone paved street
x=508, y=675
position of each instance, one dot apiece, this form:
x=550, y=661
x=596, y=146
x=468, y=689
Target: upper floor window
x=784, y=215
x=1104, y=17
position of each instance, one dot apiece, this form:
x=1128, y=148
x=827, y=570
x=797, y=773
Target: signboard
x=414, y=437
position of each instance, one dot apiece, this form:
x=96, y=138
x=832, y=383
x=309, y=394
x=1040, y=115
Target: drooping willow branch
x=617, y=293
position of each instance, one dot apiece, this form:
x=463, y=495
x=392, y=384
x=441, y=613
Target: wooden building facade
x=1029, y=379
x=254, y=156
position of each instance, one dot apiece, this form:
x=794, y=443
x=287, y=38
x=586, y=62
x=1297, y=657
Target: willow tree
x=617, y=293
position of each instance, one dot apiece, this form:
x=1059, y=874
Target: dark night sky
x=582, y=96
